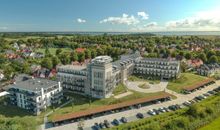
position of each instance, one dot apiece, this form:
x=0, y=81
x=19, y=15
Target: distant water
x=216, y=33
x=187, y=33
x=156, y=33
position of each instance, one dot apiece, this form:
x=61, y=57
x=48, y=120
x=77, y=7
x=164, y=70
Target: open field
x=82, y=103
x=185, y=80
x=53, y=50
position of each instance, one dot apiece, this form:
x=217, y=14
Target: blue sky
x=110, y=15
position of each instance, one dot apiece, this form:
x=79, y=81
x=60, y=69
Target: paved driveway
x=131, y=114
x=153, y=87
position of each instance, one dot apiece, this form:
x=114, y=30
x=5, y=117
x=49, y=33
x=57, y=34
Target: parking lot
x=146, y=111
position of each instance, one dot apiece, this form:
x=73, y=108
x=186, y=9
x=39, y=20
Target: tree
x=55, y=61
x=47, y=63
x=210, y=53
x=47, y=52
x=81, y=57
x=203, y=57
x=74, y=56
x=188, y=56
x=100, y=51
x=87, y=54
x=213, y=59
x=26, y=68
x=58, y=51
x=64, y=58
x=173, y=54
x=93, y=53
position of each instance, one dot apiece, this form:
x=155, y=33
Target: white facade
x=35, y=95
x=99, y=77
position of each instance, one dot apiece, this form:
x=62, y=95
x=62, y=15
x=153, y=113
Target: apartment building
x=208, y=69
x=156, y=67
x=99, y=78
x=35, y=94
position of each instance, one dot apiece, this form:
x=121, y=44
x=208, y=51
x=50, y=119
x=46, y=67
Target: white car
x=151, y=112
x=161, y=110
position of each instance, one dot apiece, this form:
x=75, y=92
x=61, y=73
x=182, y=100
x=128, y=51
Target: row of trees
x=64, y=57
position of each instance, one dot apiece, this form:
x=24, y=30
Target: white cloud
x=79, y=20
x=124, y=19
x=151, y=25
x=143, y=15
x=205, y=20
x=3, y=28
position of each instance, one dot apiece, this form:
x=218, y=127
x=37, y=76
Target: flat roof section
x=34, y=84
x=73, y=67
x=197, y=85
x=108, y=108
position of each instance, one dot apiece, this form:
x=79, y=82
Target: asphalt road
x=131, y=114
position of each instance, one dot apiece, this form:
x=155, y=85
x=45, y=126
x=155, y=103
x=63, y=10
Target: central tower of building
x=100, y=78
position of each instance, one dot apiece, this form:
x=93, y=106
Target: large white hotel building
x=98, y=78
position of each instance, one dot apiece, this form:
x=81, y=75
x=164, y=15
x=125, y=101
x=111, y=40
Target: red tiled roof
x=79, y=50
x=197, y=85
x=108, y=107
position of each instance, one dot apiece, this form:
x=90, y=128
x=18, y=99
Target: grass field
x=84, y=103
x=119, y=89
x=215, y=125
x=185, y=80
x=53, y=50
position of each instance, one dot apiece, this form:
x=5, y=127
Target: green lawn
x=53, y=50
x=83, y=103
x=119, y=89
x=185, y=80
x=20, y=117
x=215, y=125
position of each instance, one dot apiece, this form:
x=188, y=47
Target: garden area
x=192, y=118
x=186, y=79
x=144, y=86
x=119, y=89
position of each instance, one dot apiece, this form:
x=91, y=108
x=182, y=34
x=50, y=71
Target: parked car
x=116, y=122
x=192, y=101
x=124, y=120
x=140, y=115
x=101, y=125
x=202, y=97
x=212, y=92
x=156, y=111
x=96, y=126
x=161, y=110
x=172, y=107
x=166, y=109
x=198, y=98
x=206, y=94
x=106, y=123
x=151, y=112
x=187, y=103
